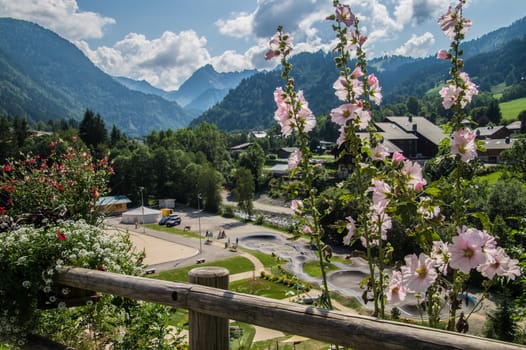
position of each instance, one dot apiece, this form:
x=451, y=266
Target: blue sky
x=165, y=41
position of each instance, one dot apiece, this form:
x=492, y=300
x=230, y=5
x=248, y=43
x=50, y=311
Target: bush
x=228, y=212
x=260, y=220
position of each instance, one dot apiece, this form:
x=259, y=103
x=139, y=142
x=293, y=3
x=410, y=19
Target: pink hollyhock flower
x=307, y=230
x=296, y=206
x=285, y=117
x=429, y=213
x=463, y=144
x=381, y=219
x=341, y=138
x=443, y=54
x=380, y=152
x=488, y=241
x=396, y=290
x=376, y=96
x=354, y=39
x=305, y=115
x=357, y=73
x=499, y=264
x=344, y=14
x=449, y=95
x=341, y=88
x=440, y=255
x=8, y=168
x=450, y=19
x=414, y=173
x=281, y=115
x=374, y=89
x=275, y=44
x=364, y=118
x=295, y=159
x=344, y=88
x=380, y=190
x=274, y=47
x=466, y=250
x=342, y=114
x=419, y=272
x=398, y=157
x=351, y=230
x=470, y=89
x=373, y=82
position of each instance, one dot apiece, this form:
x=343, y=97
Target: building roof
x=258, y=134
x=488, y=131
x=289, y=149
x=139, y=211
x=391, y=147
x=424, y=127
x=391, y=131
x=241, y=146
x=110, y=200
x=498, y=143
x=280, y=169
x=516, y=125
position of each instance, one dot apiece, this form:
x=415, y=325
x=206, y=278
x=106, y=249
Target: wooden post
x=208, y=332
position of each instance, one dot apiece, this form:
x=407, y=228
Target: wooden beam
x=359, y=332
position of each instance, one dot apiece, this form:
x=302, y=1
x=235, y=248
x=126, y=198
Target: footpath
x=165, y=251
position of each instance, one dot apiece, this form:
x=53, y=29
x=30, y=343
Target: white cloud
x=165, y=62
x=418, y=11
x=239, y=26
x=61, y=16
x=417, y=46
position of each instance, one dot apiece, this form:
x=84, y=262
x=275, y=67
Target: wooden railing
x=211, y=308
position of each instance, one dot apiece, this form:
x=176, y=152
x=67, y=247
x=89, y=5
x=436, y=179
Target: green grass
x=173, y=230
x=511, y=109
x=491, y=178
x=236, y=264
x=278, y=344
x=260, y=287
x=267, y=260
x=245, y=340
x=312, y=267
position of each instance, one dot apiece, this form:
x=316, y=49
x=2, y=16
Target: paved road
x=167, y=257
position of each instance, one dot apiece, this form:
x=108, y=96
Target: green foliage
x=502, y=324
x=92, y=130
x=244, y=190
x=66, y=185
x=507, y=198
x=252, y=159
x=515, y=157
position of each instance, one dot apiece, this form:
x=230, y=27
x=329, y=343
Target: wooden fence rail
x=358, y=332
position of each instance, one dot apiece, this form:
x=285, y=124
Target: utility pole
x=141, y=188
x=199, y=220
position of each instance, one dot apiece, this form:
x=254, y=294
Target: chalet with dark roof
x=492, y=132
x=428, y=134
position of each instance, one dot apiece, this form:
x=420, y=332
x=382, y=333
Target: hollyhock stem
x=296, y=121
x=380, y=292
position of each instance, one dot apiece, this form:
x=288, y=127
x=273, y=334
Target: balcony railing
x=211, y=305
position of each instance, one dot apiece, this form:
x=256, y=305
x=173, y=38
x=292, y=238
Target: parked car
x=164, y=219
x=173, y=220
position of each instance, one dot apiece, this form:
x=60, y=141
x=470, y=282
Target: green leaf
x=484, y=219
